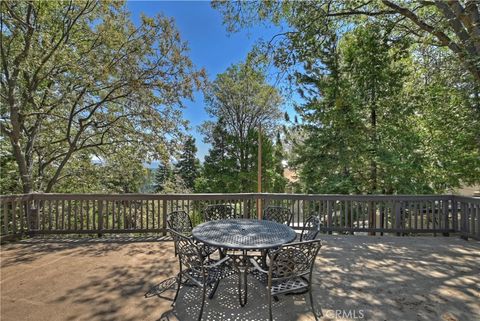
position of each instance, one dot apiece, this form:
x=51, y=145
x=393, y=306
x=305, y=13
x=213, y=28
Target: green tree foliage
x=218, y=167
x=367, y=130
x=9, y=180
x=119, y=176
x=80, y=77
x=188, y=165
x=450, y=24
x=358, y=134
x=240, y=100
x=391, y=103
x=148, y=184
x=109, y=174
x=167, y=180
x=221, y=172
x=447, y=121
x=163, y=174
x=273, y=156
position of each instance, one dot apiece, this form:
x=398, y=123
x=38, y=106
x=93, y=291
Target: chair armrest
x=226, y=258
x=257, y=267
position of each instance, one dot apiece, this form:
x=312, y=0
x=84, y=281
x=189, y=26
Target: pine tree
x=358, y=131
x=218, y=168
x=187, y=166
x=162, y=176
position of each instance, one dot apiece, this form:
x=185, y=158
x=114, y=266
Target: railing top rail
x=129, y=196
x=363, y=197
x=470, y=199
x=16, y=197
x=234, y=196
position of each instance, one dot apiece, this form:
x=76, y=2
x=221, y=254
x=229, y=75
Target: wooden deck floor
x=377, y=278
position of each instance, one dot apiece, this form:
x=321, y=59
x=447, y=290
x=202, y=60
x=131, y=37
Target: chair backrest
x=219, y=212
x=278, y=214
x=179, y=221
x=311, y=228
x=293, y=260
x=189, y=253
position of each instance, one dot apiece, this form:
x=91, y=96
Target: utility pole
x=259, y=173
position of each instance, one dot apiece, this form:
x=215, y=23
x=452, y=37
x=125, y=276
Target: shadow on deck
x=379, y=278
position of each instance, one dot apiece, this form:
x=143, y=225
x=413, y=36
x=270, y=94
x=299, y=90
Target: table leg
x=242, y=280
x=242, y=286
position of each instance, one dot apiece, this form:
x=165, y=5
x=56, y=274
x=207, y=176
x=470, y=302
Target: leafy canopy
x=80, y=80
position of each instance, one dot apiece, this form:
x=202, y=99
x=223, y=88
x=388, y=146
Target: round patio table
x=244, y=235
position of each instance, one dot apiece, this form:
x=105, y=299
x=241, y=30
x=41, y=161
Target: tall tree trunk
x=25, y=176
x=373, y=162
x=20, y=157
x=373, y=166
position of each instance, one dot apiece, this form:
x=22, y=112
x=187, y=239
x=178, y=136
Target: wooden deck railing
x=35, y=214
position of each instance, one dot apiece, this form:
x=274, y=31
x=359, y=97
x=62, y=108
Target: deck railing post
x=463, y=222
x=5, y=217
x=100, y=218
x=26, y=215
x=249, y=207
x=445, y=216
x=477, y=216
x=398, y=224
x=455, y=214
x=329, y=216
x=259, y=206
x=32, y=218
x=371, y=219
x=164, y=217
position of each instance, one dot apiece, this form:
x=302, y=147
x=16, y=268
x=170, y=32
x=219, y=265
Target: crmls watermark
x=345, y=314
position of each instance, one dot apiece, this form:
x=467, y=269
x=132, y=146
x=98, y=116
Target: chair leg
x=214, y=289
x=179, y=284
x=313, y=308
x=203, y=302
x=270, y=315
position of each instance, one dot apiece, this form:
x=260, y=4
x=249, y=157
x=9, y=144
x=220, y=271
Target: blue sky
x=211, y=46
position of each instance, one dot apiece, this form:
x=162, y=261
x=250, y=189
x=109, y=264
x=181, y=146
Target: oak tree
x=79, y=77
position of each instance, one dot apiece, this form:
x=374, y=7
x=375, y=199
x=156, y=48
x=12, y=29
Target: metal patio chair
x=290, y=270
x=180, y=222
x=198, y=269
x=278, y=214
x=310, y=229
x=219, y=212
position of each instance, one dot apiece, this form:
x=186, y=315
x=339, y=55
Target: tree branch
x=441, y=36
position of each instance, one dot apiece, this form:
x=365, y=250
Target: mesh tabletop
x=243, y=234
